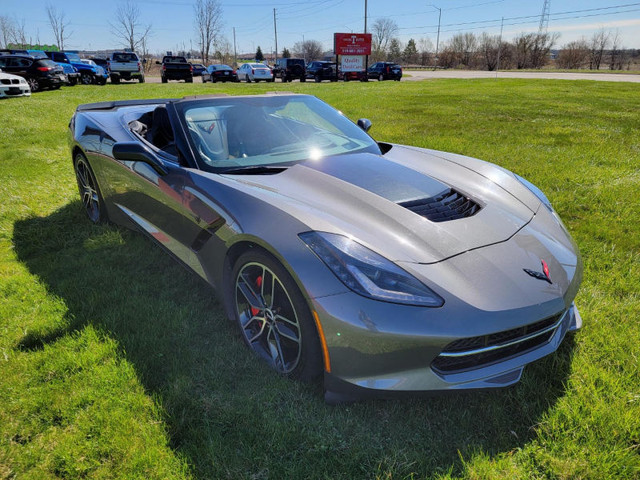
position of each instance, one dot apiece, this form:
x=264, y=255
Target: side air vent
x=449, y=205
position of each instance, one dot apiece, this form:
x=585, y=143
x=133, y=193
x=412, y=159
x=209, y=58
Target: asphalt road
x=416, y=75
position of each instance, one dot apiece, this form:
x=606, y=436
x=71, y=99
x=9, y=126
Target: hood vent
x=449, y=205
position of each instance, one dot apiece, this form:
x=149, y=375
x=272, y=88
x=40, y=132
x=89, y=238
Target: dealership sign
x=352, y=63
x=352, y=43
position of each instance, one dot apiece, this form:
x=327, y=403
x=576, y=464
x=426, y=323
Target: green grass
x=117, y=363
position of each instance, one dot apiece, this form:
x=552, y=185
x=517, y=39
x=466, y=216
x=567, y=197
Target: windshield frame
x=182, y=106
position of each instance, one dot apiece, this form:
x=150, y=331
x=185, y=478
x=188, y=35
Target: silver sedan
x=254, y=72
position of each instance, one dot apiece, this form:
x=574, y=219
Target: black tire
x=380, y=77
x=86, y=78
x=189, y=80
x=89, y=191
x=115, y=79
x=302, y=79
x=141, y=79
x=34, y=84
x=277, y=326
x=317, y=79
x=164, y=80
x=214, y=79
x=284, y=79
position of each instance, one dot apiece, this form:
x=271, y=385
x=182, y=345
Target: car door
x=151, y=199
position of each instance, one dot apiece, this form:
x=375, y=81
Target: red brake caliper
x=254, y=310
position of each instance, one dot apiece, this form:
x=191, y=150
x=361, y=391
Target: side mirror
x=158, y=62
x=135, y=152
x=364, y=124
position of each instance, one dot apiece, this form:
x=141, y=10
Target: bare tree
x=489, y=49
x=383, y=30
x=574, y=55
x=425, y=48
x=7, y=26
x=127, y=26
x=309, y=50
x=58, y=25
x=598, y=44
x=532, y=49
x=615, y=54
x=208, y=23
x=19, y=35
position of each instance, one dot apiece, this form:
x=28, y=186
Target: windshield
x=230, y=133
x=73, y=57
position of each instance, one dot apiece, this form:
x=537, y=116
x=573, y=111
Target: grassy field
x=117, y=363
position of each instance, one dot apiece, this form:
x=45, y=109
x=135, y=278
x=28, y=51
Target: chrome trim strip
x=508, y=344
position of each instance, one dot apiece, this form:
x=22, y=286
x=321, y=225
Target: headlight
x=367, y=273
x=536, y=191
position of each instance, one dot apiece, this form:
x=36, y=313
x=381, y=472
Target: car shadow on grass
x=226, y=413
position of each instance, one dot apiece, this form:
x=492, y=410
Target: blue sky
x=172, y=20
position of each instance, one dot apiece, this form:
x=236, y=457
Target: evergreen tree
x=395, y=50
x=286, y=53
x=259, y=55
x=410, y=54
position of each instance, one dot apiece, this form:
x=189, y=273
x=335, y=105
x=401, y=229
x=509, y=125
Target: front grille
x=446, y=206
x=7, y=81
x=487, y=349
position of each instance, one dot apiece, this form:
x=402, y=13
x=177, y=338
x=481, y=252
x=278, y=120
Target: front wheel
x=88, y=188
x=274, y=318
x=380, y=77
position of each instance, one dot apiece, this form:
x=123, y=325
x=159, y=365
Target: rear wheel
x=34, y=85
x=141, y=79
x=274, y=318
x=88, y=188
x=86, y=79
x=164, y=79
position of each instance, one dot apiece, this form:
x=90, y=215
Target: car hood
x=360, y=195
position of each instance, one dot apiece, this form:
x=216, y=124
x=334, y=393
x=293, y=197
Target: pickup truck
x=88, y=73
x=125, y=66
x=176, y=68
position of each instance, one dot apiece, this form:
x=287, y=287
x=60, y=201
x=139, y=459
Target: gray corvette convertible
x=386, y=268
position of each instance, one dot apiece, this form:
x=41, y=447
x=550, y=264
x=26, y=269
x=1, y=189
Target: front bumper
x=496, y=319
x=15, y=90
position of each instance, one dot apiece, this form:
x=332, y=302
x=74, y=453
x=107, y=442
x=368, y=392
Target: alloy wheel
x=268, y=319
x=88, y=190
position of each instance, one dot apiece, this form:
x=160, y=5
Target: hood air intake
x=449, y=205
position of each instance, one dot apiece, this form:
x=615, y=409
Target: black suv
x=289, y=68
x=319, y=71
x=385, y=71
x=38, y=72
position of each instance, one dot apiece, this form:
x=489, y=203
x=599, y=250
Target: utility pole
x=235, y=53
x=499, y=46
x=366, y=57
x=275, y=32
x=435, y=60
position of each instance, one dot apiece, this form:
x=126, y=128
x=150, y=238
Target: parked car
x=360, y=75
x=125, y=66
x=198, y=69
x=219, y=73
x=176, y=68
x=386, y=268
x=73, y=77
x=320, y=71
x=385, y=71
x=13, y=86
x=255, y=72
x=102, y=62
x=39, y=73
x=89, y=74
x=288, y=69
